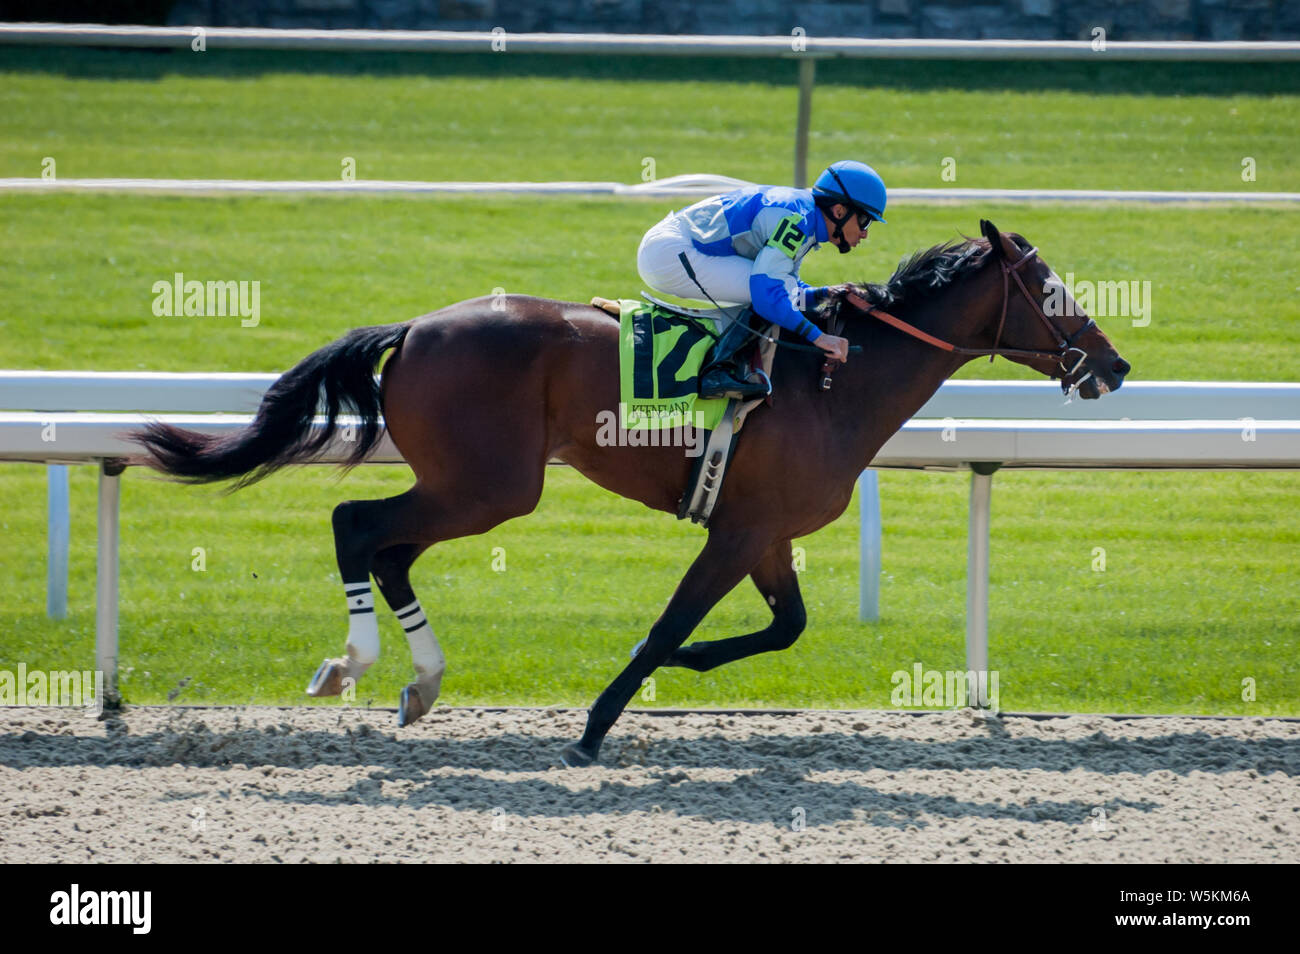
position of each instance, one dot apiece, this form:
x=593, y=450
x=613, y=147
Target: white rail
x=954, y=444
x=686, y=186
x=501, y=41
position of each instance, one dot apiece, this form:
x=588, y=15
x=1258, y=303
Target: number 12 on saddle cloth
x=660, y=356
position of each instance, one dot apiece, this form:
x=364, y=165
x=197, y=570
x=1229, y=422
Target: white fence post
x=106, y=591
x=869, y=558
x=977, y=581
x=59, y=533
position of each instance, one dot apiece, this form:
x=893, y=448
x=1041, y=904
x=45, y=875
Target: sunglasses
x=864, y=221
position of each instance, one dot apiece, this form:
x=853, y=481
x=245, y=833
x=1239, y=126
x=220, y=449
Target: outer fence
x=980, y=426
x=806, y=49
x=692, y=185
x=457, y=41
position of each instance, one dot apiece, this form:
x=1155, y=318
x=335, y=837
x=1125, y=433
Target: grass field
x=263, y=115
x=1223, y=285
x=1198, y=593
x=1200, y=587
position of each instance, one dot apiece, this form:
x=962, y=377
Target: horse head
x=1040, y=325
x=992, y=296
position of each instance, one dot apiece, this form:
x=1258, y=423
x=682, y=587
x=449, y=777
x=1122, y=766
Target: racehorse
x=480, y=395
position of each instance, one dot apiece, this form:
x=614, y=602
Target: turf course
x=508, y=116
x=1199, y=590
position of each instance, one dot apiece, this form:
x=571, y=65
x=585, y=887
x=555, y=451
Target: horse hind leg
x=386, y=536
x=359, y=530
x=391, y=569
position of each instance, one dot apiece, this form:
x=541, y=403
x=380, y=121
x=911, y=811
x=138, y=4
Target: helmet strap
x=837, y=237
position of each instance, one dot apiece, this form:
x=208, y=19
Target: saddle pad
x=660, y=355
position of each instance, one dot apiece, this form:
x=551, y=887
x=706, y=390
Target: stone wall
x=956, y=19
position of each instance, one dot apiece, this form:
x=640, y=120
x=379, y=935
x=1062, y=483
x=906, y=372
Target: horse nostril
x=1121, y=367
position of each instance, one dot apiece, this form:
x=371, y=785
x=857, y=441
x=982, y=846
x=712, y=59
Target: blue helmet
x=855, y=184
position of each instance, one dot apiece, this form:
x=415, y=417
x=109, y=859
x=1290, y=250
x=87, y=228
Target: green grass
x=513, y=116
x=1223, y=285
x=1200, y=585
x=1198, y=593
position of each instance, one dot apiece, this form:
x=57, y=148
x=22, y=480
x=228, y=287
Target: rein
x=1064, y=344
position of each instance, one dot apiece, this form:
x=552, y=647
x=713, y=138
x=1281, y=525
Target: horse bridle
x=1065, y=345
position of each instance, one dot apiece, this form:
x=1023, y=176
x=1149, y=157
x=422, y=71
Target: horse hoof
x=574, y=755
x=328, y=680
x=411, y=706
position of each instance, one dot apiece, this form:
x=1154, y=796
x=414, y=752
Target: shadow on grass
x=1100, y=78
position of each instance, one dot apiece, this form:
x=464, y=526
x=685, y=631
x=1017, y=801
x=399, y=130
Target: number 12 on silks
x=788, y=236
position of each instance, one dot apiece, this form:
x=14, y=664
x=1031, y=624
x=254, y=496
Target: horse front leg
x=778, y=583
x=724, y=562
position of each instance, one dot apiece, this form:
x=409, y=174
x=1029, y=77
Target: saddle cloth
x=655, y=394
x=661, y=352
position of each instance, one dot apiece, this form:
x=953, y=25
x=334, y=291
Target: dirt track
x=327, y=784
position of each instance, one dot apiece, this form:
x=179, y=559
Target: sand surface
x=331, y=784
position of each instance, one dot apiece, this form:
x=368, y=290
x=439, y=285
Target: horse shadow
x=770, y=795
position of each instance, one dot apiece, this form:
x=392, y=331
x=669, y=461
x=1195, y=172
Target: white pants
x=726, y=278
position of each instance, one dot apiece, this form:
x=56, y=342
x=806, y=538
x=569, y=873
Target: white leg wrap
x=426, y=654
x=363, y=628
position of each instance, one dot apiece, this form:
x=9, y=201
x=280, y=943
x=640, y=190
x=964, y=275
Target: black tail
x=282, y=432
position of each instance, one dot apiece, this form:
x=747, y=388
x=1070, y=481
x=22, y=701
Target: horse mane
x=917, y=275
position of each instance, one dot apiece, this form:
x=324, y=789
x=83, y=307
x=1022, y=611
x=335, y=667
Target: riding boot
x=727, y=373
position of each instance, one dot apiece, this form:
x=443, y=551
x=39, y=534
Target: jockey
x=745, y=248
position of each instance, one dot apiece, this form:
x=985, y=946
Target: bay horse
x=480, y=395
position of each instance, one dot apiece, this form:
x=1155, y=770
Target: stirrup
x=742, y=389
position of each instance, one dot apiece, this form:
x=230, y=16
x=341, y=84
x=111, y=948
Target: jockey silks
x=770, y=228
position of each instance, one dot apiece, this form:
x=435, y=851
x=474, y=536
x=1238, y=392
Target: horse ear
x=999, y=244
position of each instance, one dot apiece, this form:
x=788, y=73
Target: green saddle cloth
x=660, y=356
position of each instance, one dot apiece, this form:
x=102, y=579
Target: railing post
x=869, y=561
x=977, y=582
x=110, y=486
x=58, y=533
x=807, y=74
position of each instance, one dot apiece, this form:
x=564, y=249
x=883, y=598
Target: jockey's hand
x=834, y=345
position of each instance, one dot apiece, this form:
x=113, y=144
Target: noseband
x=1065, y=346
